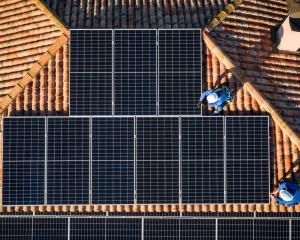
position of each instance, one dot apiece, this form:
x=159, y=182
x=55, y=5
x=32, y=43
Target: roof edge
x=53, y=17
x=219, y=17
x=250, y=87
x=32, y=72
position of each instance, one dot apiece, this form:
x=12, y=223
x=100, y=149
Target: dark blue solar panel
x=87, y=228
x=235, y=229
x=135, y=51
x=272, y=229
x=157, y=160
x=295, y=229
x=135, y=93
x=50, y=228
x=123, y=229
x=91, y=51
x=23, y=161
x=68, y=161
x=202, y=159
x=112, y=160
x=179, y=71
x=247, y=159
x=90, y=93
x=16, y=228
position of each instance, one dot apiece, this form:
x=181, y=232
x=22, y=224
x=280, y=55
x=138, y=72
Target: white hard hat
x=212, y=98
x=285, y=195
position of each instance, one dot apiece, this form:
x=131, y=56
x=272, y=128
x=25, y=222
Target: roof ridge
x=250, y=87
x=32, y=72
x=220, y=16
x=52, y=16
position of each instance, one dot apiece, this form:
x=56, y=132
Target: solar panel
x=295, y=229
x=50, y=228
x=108, y=229
x=91, y=69
x=23, y=161
x=91, y=93
x=247, y=159
x=184, y=229
x=235, y=229
x=91, y=50
x=157, y=160
x=202, y=159
x=135, y=72
x=112, y=160
x=68, y=161
x=274, y=229
x=15, y=228
x=179, y=71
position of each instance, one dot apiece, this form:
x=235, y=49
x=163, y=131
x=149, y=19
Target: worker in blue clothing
x=289, y=194
x=217, y=97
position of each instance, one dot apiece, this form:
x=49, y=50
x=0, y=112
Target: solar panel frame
x=29, y=182
x=257, y=187
x=62, y=187
x=112, y=160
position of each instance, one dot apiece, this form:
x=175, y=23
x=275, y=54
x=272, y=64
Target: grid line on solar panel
x=50, y=228
x=295, y=229
x=247, y=159
x=179, y=75
x=112, y=160
x=274, y=229
x=202, y=160
x=23, y=161
x=68, y=161
x=16, y=228
x=90, y=94
x=91, y=51
x=235, y=229
x=157, y=160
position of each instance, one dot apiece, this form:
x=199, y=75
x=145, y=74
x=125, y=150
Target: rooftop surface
x=266, y=82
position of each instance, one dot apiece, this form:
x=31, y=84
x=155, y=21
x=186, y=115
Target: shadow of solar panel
x=90, y=93
x=235, y=229
x=179, y=71
x=68, y=161
x=50, y=228
x=23, y=161
x=202, y=159
x=157, y=160
x=135, y=51
x=274, y=229
x=91, y=50
x=247, y=159
x=112, y=160
x=135, y=93
x=16, y=228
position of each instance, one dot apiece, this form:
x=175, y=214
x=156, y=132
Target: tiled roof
x=48, y=92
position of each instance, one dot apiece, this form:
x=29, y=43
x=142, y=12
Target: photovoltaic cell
x=50, y=228
x=179, y=71
x=247, y=159
x=15, y=228
x=164, y=229
x=135, y=72
x=202, y=159
x=112, y=160
x=274, y=229
x=235, y=229
x=295, y=228
x=157, y=160
x=68, y=161
x=23, y=161
x=194, y=229
x=91, y=51
x=135, y=93
x=108, y=229
x=90, y=93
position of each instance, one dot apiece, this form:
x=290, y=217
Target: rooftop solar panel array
x=135, y=72
x=144, y=160
x=23, y=161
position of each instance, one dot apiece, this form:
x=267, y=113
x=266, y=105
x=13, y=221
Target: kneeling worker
x=217, y=97
x=289, y=194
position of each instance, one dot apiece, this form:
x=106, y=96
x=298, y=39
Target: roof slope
x=245, y=36
x=29, y=36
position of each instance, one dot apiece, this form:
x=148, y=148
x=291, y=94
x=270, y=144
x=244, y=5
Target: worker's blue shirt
x=223, y=94
x=293, y=189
